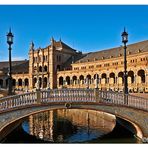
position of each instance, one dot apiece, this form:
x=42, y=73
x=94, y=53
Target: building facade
x=105, y=68
x=60, y=66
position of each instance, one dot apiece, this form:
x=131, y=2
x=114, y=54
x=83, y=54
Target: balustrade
x=17, y=101
x=72, y=95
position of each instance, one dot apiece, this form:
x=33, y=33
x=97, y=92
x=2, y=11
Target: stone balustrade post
x=96, y=94
x=38, y=96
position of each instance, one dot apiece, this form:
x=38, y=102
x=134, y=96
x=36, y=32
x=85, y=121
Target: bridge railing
x=72, y=95
x=16, y=101
x=68, y=95
x=119, y=99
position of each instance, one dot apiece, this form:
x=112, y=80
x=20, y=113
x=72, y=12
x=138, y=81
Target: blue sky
x=86, y=27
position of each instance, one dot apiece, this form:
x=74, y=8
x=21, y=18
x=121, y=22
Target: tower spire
x=52, y=40
x=31, y=46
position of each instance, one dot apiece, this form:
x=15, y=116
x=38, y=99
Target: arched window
x=74, y=79
x=112, y=78
x=104, y=78
x=40, y=69
x=120, y=78
x=131, y=76
x=81, y=77
x=141, y=74
x=68, y=80
x=13, y=82
x=61, y=81
x=19, y=82
x=88, y=78
x=45, y=68
x=26, y=82
x=96, y=76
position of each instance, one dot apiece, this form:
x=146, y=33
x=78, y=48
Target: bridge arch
x=108, y=109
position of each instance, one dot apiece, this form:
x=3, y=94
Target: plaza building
x=60, y=66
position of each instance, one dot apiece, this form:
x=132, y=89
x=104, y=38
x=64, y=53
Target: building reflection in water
x=59, y=125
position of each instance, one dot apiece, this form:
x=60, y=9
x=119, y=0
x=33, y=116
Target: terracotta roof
x=5, y=64
x=23, y=67
x=72, y=59
x=115, y=52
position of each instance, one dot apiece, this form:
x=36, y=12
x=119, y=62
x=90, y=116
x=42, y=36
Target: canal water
x=70, y=126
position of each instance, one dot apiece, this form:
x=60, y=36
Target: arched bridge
x=130, y=108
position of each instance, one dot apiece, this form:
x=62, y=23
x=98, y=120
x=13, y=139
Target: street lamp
x=124, y=41
x=10, y=42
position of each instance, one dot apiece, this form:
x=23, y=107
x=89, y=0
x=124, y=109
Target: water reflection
x=69, y=125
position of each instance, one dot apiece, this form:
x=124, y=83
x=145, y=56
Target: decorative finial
x=52, y=39
x=31, y=45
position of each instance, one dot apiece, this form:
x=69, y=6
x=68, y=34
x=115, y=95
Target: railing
x=18, y=101
x=72, y=95
x=119, y=99
x=68, y=95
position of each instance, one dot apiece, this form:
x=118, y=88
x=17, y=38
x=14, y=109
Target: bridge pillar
x=96, y=94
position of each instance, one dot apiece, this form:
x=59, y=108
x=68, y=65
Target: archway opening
x=112, y=78
x=104, y=78
x=20, y=82
x=26, y=82
x=141, y=74
x=68, y=80
x=61, y=81
x=130, y=77
x=120, y=78
x=74, y=79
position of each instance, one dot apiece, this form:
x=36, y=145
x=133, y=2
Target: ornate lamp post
x=10, y=42
x=124, y=41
